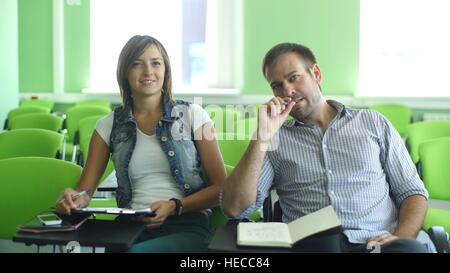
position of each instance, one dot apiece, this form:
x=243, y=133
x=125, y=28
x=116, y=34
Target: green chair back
x=247, y=126
x=101, y=103
x=434, y=157
x=38, y=102
x=30, y=142
x=225, y=120
x=434, y=160
x=76, y=113
x=399, y=115
x=31, y=185
x=37, y=120
x=423, y=131
x=232, y=146
x=25, y=110
x=86, y=128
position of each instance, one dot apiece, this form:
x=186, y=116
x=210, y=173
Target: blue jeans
x=187, y=233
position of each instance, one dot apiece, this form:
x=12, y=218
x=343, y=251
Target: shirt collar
x=340, y=108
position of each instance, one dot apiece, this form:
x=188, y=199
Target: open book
x=116, y=211
x=273, y=234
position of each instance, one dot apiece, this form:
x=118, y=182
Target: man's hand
x=272, y=115
x=382, y=239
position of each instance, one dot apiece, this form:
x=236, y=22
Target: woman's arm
x=92, y=172
x=211, y=158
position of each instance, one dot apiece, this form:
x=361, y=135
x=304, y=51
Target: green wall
x=76, y=46
x=329, y=27
x=9, y=55
x=35, y=45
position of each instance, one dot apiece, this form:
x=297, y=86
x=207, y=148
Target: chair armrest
x=440, y=239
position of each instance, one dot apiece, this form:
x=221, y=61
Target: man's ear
x=315, y=69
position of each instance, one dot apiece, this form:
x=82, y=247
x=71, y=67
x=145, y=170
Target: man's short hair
x=302, y=51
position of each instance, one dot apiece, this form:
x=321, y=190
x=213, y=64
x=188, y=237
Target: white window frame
x=224, y=65
x=404, y=48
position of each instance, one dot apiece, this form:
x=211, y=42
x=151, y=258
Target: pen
x=86, y=191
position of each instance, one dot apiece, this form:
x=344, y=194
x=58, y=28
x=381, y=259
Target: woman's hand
x=66, y=202
x=162, y=210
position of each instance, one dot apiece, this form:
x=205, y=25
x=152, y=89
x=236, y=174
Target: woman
x=164, y=151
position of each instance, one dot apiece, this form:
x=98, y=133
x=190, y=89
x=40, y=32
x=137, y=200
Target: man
x=328, y=154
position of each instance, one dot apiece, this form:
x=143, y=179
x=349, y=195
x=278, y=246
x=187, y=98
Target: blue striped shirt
x=359, y=165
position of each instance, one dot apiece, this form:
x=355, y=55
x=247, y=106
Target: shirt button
x=187, y=186
x=176, y=172
x=324, y=146
x=171, y=153
x=330, y=172
x=163, y=139
x=331, y=192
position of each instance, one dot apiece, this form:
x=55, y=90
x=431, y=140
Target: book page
x=264, y=234
x=313, y=223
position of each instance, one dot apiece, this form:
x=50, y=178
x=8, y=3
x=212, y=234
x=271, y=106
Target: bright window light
x=192, y=31
x=404, y=48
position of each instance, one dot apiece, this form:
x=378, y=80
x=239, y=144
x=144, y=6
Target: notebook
x=69, y=223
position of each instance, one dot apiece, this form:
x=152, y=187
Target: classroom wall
x=35, y=45
x=329, y=27
x=9, y=66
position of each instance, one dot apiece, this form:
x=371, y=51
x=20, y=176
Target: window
x=404, y=48
x=192, y=31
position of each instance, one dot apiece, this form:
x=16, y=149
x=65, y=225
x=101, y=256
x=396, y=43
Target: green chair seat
x=437, y=217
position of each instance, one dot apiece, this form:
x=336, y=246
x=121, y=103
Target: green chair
x=86, y=127
x=22, y=111
x=38, y=102
x=423, y=131
x=224, y=119
x=247, y=126
x=102, y=103
x=232, y=146
x=37, y=120
x=31, y=185
x=399, y=115
x=434, y=159
x=73, y=117
x=30, y=142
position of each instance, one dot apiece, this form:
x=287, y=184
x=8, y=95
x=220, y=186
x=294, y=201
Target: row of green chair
x=50, y=104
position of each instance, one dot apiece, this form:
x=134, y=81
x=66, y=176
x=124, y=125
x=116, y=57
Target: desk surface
x=225, y=238
x=117, y=235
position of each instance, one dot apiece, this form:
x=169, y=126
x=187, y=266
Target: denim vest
x=176, y=139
